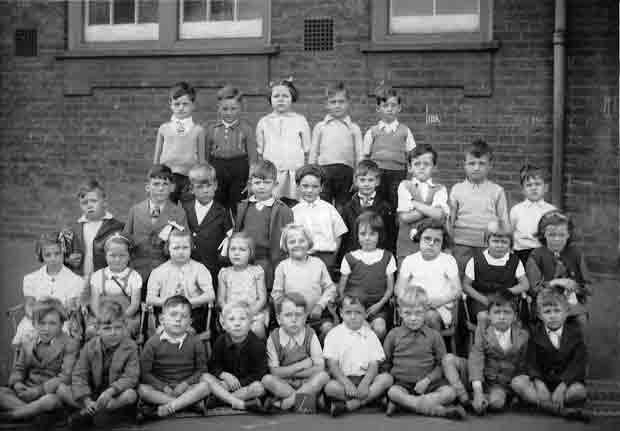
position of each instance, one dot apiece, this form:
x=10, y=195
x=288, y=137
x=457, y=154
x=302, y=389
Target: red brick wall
x=50, y=138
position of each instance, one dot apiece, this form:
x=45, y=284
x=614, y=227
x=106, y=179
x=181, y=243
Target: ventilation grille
x=25, y=43
x=318, y=34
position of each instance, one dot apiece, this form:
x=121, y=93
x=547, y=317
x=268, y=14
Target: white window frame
x=442, y=23
x=219, y=29
x=119, y=32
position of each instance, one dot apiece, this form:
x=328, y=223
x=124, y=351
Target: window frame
x=380, y=29
x=169, y=34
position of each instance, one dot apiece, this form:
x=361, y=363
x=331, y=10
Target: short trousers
x=410, y=387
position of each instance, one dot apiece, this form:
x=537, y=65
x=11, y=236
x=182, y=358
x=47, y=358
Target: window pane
x=124, y=11
x=412, y=7
x=457, y=6
x=222, y=10
x=148, y=11
x=99, y=12
x=251, y=9
x=194, y=10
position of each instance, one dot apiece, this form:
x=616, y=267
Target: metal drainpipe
x=559, y=114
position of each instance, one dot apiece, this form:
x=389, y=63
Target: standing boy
x=231, y=148
x=84, y=240
x=336, y=146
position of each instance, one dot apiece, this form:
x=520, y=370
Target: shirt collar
x=472, y=184
x=229, y=125
x=423, y=330
x=361, y=332
x=501, y=334
x=539, y=203
x=198, y=205
x=173, y=340
x=367, y=201
x=285, y=338
x=228, y=341
x=160, y=206
x=109, y=274
x=182, y=126
x=107, y=216
x=390, y=127
x=305, y=203
x=490, y=258
x=557, y=332
x=428, y=182
x=39, y=341
x=261, y=204
x=346, y=119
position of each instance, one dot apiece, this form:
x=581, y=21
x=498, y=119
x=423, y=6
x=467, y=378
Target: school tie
x=155, y=212
x=180, y=127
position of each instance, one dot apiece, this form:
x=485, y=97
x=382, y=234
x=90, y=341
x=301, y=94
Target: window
x=167, y=25
x=431, y=21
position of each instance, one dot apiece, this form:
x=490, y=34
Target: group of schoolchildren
x=313, y=245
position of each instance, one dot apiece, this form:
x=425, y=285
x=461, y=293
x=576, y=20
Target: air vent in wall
x=318, y=34
x=25, y=43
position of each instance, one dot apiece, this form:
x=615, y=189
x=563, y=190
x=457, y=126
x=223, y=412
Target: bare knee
x=144, y=390
x=497, y=399
x=333, y=387
x=129, y=395
x=268, y=381
x=256, y=388
x=520, y=383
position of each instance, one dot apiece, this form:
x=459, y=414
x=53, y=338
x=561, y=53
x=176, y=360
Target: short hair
x=118, y=238
x=295, y=227
x=90, y=185
x=373, y=220
x=412, y=296
x=502, y=298
x=175, y=300
x=160, y=171
x=236, y=305
x=48, y=239
x=352, y=298
x=45, y=306
x=294, y=297
x=310, y=170
x=205, y=170
x=528, y=172
x=498, y=228
x=429, y=223
x=551, y=296
x=181, y=89
x=248, y=239
x=553, y=218
x=228, y=92
x=420, y=150
x=176, y=233
x=110, y=311
x=384, y=92
x=288, y=82
x=332, y=89
x=263, y=169
x=479, y=148
x=367, y=166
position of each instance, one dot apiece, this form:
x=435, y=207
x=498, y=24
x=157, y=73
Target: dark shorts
x=337, y=187
x=410, y=387
x=232, y=179
x=356, y=380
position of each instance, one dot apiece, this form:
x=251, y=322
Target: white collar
x=39, y=341
x=390, y=127
x=538, y=203
x=198, y=205
x=160, y=206
x=262, y=204
x=490, y=258
x=173, y=340
x=107, y=216
x=362, y=332
x=182, y=126
x=346, y=119
x=557, y=332
x=305, y=203
x=184, y=121
x=230, y=125
x=428, y=182
x=109, y=274
x=51, y=278
x=285, y=338
x=503, y=334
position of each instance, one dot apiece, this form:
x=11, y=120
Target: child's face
x=182, y=107
x=477, y=168
x=180, y=249
x=292, y=318
x=501, y=317
x=353, y=315
x=117, y=257
x=389, y=109
x=112, y=333
x=237, y=323
x=229, y=110
x=281, y=99
x=176, y=319
x=553, y=315
x=421, y=168
x=49, y=326
x=203, y=188
x=92, y=205
x=337, y=105
x=498, y=246
x=366, y=184
x=158, y=189
x=239, y=252
x=52, y=257
x=262, y=188
x=431, y=241
x=412, y=316
x=556, y=237
x=297, y=244
x=310, y=187
x=534, y=188
x=367, y=237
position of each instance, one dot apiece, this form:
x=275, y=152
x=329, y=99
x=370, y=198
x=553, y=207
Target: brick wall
x=52, y=135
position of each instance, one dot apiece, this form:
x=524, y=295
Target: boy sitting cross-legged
x=295, y=358
x=413, y=357
x=353, y=352
x=239, y=361
x=42, y=365
x=106, y=373
x=172, y=363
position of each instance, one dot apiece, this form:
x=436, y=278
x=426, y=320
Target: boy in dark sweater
x=554, y=372
x=239, y=361
x=106, y=373
x=172, y=363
